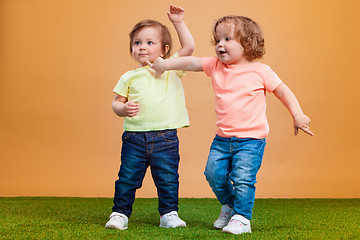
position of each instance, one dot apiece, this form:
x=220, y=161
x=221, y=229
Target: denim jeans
x=231, y=171
x=160, y=151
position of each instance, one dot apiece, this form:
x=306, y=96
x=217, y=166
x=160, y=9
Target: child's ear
x=166, y=50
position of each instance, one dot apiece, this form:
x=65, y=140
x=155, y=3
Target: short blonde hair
x=165, y=34
x=247, y=33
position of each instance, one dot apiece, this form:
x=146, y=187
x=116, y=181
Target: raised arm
x=176, y=15
x=288, y=99
x=187, y=63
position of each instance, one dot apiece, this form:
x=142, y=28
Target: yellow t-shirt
x=161, y=100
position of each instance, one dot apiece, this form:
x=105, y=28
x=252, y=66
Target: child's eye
x=136, y=43
x=227, y=39
x=150, y=42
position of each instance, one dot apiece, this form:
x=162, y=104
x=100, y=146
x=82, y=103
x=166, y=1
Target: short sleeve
x=122, y=87
x=271, y=79
x=208, y=64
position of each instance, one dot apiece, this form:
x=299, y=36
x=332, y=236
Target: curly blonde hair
x=247, y=33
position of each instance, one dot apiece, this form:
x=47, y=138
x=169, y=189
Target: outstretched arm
x=287, y=97
x=188, y=63
x=176, y=15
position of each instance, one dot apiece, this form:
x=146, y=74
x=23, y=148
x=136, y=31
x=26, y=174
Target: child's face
x=227, y=48
x=146, y=45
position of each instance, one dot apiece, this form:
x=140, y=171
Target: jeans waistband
x=155, y=131
x=237, y=139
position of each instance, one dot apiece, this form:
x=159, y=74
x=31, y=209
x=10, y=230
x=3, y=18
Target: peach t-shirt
x=240, y=92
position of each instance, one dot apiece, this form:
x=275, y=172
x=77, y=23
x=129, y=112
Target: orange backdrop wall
x=60, y=59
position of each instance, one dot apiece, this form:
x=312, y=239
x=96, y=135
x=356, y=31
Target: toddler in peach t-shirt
x=240, y=87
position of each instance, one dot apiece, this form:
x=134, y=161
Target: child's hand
x=175, y=14
x=157, y=66
x=131, y=109
x=302, y=122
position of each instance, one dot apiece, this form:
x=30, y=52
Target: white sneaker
x=117, y=221
x=171, y=220
x=237, y=225
x=224, y=217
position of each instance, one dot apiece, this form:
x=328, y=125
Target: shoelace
x=234, y=221
x=119, y=217
x=172, y=217
x=224, y=214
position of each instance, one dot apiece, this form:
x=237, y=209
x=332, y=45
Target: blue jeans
x=231, y=171
x=160, y=151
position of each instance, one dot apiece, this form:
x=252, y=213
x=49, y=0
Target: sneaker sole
x=114, y=227
x=219, y=227
x=172, y=226
x=228, y=231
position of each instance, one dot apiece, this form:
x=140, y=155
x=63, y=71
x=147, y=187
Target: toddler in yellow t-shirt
x=153, y=108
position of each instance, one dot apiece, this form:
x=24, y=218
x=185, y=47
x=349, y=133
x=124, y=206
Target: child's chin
x=143, y=63
x=223, y=60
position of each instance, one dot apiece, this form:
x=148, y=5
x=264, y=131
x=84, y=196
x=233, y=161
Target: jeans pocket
x=170, y=136
x=262, y=144
x=126, y=135
x=256, y=146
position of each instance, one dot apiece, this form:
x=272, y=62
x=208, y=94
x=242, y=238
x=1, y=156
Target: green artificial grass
x=85, y=218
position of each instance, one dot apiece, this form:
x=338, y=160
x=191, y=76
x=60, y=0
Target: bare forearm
x=123, y=108
x=119, y=108
x=288, y=99
x=176, y=16
x=186, y=40
x=188, y=63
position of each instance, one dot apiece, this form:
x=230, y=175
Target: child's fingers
x=296, y=131
x=176, y=9
x=149, y=63
x=302, y=122
x=132, y=105
x=132, y=114
x=132, y=110
x=304, y=129
x=307, y=130
x=152, y=71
